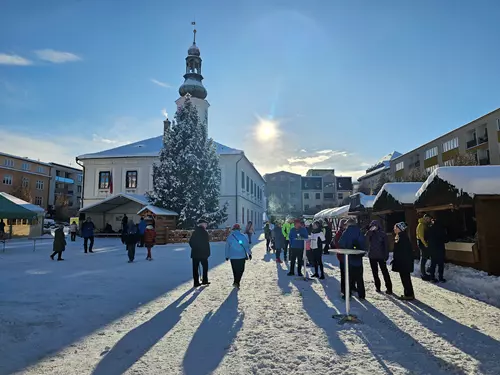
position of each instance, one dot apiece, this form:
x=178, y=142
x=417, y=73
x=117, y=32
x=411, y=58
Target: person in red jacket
x=149, y=239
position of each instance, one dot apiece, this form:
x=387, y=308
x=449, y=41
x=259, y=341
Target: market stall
x=395, y=203
x=22, y=218
x=467, y=202
x=361, y=207
x=333, y=215
x=164, y=221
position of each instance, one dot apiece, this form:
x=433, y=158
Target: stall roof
x=331, y=213
x=364, y=200
x=470, y=180
x=402, y=192
x=14, y=208
x=115, y=201
x=158, y=211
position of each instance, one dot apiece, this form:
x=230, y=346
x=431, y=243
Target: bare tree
x=61, y=207
x=364, y=188
x=383, y=179
x=19, y=190
x=415, y=175
x=467, y=159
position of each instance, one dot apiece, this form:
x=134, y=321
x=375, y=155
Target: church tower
x=193, y=85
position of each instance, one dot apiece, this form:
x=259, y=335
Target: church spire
x=193, y=78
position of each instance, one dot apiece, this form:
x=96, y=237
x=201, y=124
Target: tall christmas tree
x=187, y=177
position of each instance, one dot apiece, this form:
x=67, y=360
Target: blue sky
x=347, y=81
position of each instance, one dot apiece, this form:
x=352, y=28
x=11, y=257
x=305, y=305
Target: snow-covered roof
x=382, y=164
x=365, y=200
x=331, y=213
x=146, y=148
x=158, y=211
x=114, y=201
x=382, y=168
x=23, y=204
x=403, y=192
x=472, y=180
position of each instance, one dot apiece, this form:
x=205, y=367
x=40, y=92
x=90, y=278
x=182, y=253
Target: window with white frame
x=104, y=180
x=7, y=179
x=131, y=180
x=9, y=163
x=431, y=169
x=40, y=170
x=26, y=182
x=306, y=195
x=450, y=145
x=39, y=185
x=38, y=201
x=26, y=166
x=449, y=163
x=430, y=153
x=400, y=166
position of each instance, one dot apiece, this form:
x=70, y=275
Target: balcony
x=65, y=180
x=472, y=143
x=483, y=139
x=415, y=165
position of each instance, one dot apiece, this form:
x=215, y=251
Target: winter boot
x=322, y=277
x=442, y=280
x=291, y=273
x=315, y=275
x=407, y=298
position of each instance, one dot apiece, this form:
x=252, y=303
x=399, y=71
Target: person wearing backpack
x=131, y=240
x=352, y=238
x=238, y=252
x=378, y=253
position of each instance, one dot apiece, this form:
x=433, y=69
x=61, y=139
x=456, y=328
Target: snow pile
x=403, y=192
x=481, y=180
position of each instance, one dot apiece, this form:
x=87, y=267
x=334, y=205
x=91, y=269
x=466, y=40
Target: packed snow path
x=97, y=314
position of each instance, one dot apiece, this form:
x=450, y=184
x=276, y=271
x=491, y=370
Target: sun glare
x=266, y=130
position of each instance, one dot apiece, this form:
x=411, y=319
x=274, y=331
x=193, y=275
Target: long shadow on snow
x=213, y=338
x=165, y=273
x=386, y=341
x=483, y=348
x=141, y=339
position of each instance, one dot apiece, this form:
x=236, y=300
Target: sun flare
x=266, y=130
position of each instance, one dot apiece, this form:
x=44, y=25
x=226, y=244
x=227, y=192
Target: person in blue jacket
x=88, y=234
x=238, y=251
x=353, y=238
x=297, y=236
x=142, y=228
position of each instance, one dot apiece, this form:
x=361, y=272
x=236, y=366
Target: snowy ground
x=97, y=314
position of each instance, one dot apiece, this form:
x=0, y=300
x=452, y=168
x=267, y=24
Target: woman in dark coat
x=279, y=241
x=59, y=243
x=378, y=253
x=403, y=260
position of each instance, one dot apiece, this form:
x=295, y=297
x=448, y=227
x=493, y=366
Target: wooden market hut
x=467, y=201
x=165, y=220
x=361, y=206
x=395, y=203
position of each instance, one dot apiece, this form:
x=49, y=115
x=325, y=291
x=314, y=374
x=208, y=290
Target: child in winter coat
x=318, y=240
x=149, y=239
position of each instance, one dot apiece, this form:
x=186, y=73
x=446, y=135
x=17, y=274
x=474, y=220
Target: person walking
x=131, y=240
x=249, y=231
x=403, y=260
x=378, y=253
x=423, y=245
x=287, y=226
x=149, y=239
x=200, y=252
x=437, y=238
x=142, y=228
x=59, y=243
x=267, y=235
x=352, y=238
x=298, y=234
x=2, y=229
x=124, y=228
x=88, y=235
x=73, y=229
x=279, y=241
x=318, y=241
x=238, y=252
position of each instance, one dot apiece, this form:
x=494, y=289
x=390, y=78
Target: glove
x=250, y=257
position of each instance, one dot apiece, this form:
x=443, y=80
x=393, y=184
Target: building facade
x=25, y=178
x=480, y=138
x=66, y=187
x=372, y=176
x=129, y=168
x=344, y=188
x=284, y=194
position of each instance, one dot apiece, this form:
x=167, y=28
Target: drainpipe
x=237, y=177
x=83, y=182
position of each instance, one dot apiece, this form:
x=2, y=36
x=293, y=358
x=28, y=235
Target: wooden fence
x=182, y=236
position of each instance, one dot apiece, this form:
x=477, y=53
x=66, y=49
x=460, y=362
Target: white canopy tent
x=333, y=213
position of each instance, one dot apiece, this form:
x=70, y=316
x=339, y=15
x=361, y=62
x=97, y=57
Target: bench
x=34, y=239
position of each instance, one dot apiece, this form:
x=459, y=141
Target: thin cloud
x=6, y=59
x=56, y=57
x=97, y=138
x=159, y=83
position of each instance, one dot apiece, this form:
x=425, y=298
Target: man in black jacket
x=200, y=252
x=437, y=241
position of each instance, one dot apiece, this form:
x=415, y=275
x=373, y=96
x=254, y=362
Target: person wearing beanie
x=298, y=234
x=318, y=240
x=352, y=238
x=403, y=259
x=279, y=241
x=200, y=252
x=149, y=238
x=378, y=253
x=237, y=251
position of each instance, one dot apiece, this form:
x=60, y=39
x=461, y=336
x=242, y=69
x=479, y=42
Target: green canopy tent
x=14, y=208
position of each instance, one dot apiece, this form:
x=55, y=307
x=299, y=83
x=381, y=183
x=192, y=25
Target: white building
x=129, y=169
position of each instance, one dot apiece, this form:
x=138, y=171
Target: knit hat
x=236, y=226
x=402, y=226
x=202, y=221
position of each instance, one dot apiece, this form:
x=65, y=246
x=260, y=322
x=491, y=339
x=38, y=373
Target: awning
x=331, y=213
x=115, y=201
x=14, y=208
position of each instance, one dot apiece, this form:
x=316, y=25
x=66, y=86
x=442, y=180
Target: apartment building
x=372, y=176
x=66, y=185
x=312, y=194
x=480, y=137
x=329, y=192
x=25, y=178
x=284, y=194
x=344, y=188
